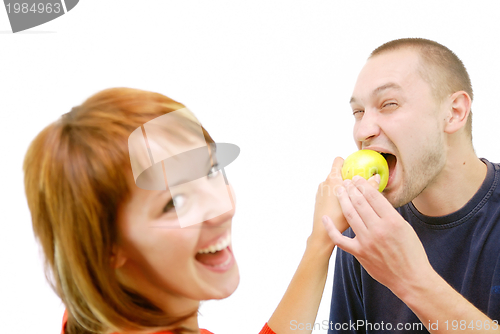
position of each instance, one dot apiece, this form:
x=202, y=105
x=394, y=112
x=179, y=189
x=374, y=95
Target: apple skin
x=366, y=163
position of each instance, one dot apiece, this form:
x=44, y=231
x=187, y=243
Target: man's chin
x=396, y=200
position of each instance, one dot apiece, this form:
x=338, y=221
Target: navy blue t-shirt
x=463, y=247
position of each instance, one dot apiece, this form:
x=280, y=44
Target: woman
x=109, y=229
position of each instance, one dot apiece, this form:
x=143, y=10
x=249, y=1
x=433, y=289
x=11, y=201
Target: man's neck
x=455, y=185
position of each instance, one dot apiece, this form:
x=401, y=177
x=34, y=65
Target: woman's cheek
x=232, y=192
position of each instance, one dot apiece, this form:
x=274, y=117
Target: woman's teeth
x=218, y=246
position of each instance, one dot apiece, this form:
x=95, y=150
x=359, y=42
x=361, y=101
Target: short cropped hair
x=441, y=68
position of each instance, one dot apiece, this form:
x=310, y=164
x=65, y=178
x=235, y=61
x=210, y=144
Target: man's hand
x=385, y=244
x=391, y=252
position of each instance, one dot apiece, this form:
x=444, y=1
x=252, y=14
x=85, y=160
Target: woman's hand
x=301, y=300
x=327, y=204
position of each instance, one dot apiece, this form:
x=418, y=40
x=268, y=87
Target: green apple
x=366, y=163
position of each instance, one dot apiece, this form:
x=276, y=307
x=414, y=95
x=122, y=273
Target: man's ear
x=459, y=104
x=118, y=257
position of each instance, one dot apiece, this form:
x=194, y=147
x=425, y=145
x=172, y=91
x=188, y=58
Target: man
x=433, y=262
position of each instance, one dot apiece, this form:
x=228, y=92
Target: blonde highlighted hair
x=76, y=173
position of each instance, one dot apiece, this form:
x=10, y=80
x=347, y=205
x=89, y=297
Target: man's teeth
x=218, y=246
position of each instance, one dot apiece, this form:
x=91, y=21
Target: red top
x=264, y=330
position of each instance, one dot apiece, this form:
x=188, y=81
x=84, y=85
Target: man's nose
x=367, y=128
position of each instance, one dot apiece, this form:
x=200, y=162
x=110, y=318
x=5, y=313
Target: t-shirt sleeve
x=205, y=331
x=266, y=330
x=493, y=310
x=347, y=302
x=64, y=321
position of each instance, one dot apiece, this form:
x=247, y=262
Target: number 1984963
x=34, y=8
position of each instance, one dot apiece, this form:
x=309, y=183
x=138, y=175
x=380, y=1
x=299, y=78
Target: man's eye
x=390, y=104
x=213, y=172
x=358, y=113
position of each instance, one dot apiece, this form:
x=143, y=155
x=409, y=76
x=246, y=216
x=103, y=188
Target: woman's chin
x=224, y=286
x=229, y=285
x=233, y=282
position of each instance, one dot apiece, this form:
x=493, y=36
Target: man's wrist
x=423, y=288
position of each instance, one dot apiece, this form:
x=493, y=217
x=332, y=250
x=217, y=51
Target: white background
x=273, y=77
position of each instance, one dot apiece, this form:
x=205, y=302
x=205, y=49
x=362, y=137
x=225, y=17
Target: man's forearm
x=442, y=309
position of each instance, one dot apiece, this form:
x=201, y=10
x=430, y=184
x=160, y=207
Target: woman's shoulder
x=65, y=320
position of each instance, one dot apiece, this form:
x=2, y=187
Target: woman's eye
x=176, y=202
x=213, y=172
x=170, y=205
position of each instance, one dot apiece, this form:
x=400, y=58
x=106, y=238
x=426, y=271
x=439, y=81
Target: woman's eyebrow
x=187, y=166
x=161, y=194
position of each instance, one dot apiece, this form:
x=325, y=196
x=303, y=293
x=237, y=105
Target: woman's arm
x=301, y=301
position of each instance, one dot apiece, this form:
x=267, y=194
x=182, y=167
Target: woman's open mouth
x=217, y=257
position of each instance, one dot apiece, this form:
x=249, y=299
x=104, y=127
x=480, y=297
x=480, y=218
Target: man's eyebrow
x=380, y=89
x=390, y=85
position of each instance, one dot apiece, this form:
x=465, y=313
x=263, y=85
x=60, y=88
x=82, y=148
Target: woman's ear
x=459, y=110
x=118, y=257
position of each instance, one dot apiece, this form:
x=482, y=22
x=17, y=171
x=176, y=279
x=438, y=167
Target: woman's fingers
x=341, y=204
x=336, y=171
x=326, y=197
x=327, y=204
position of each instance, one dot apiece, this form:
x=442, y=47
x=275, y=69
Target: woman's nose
x=219, y=202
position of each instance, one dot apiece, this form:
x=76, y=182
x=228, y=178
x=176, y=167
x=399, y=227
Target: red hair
x=77, y=172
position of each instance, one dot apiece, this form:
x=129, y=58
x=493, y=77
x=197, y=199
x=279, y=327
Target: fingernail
x=375, y=178
x=347, y=182
x=356, y=178
x=325, y=220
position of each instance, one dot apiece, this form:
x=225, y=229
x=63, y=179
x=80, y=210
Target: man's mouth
x=391, y=162
x=217, y=255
